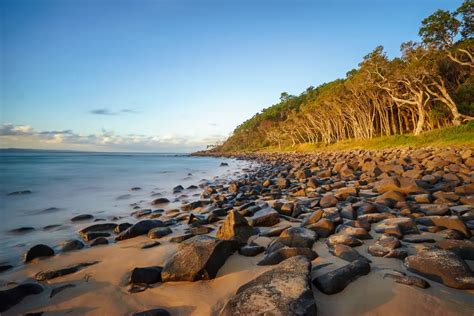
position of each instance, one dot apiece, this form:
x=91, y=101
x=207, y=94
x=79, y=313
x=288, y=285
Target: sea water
x=66, y=184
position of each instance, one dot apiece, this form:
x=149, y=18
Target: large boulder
x=284, y=290
x=198, y=258
x=297, y=237
x=463, y=248
x=140, y=228
x=13, y=296
x=265, y=217
x=450, y=222
x=146, y=275
x=442, y=266
x=335, y=281
x=236, y=227
x=38, y=251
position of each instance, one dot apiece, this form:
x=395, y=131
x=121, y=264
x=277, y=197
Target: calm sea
x=65, y=184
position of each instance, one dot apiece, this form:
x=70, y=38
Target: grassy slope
x=449, y=136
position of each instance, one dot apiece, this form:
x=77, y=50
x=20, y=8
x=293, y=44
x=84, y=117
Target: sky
x=175, y=75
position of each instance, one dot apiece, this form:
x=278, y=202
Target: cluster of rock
x=390, y=199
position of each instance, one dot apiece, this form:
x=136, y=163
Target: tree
x=466, y=13
x=439, y=29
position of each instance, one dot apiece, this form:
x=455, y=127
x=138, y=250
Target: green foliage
x=439, y=29
x=466, y=13
x=464, y=97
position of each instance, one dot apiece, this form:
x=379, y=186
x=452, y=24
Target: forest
x=429, y=86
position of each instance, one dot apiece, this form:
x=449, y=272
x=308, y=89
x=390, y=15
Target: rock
x=178, y=189
x=251, y=251
x=450, y=234
x=151, y=245
x=181, y=238
x=335, y=281
x=202, y=230
x=160, y=201
x=19, y=192
x=235, y=227
x=37, y=252
x=450, y=222
x=147, y=275
x=72, y=244
x=99, y=241
x=409, y=280
x=198, y=258
x=22, y=230
x=399, y=184
x=397, y=254
x=463, y=248
x=442, y=266
x=357, y=232
x=344, y=193
x=265, y=217
x=418, y=239
x=140, y=228
x=283, y=183
x=342, y=239
x=378, y=250
x=404, y=225
x=5, y=267
x=141, y=213
x=281, y=254
x=328, y=200
x=275, y=231
x=390, y=198
x=97, y=228
x=433, y=209
x=323, y=228
x=153, y=312
x=389, y=242
x=13, y=296
x=346, y=253
x=284, y=290
x=224, y=164
x=122, y=227
x=94, y=235
x=233, y=187
x=313, y=218
x=82, y=217
x=346, y=172
x=297, y=237
x=52, y=274
x=159, y=232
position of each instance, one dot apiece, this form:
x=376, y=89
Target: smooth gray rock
x=284, y=290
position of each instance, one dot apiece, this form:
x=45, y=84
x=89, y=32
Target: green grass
x=456, y=136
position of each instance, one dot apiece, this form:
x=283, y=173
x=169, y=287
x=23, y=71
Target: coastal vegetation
x=430, y=86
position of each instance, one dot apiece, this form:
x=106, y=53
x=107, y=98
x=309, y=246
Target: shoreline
x=295, y=187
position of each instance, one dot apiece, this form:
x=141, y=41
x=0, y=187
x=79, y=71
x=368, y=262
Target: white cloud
x=25, y=136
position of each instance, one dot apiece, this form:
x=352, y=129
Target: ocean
x=66, y=184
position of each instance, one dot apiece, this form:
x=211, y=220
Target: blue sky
x=161, y=75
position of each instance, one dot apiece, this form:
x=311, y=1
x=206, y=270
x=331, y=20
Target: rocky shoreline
x=295, y=230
